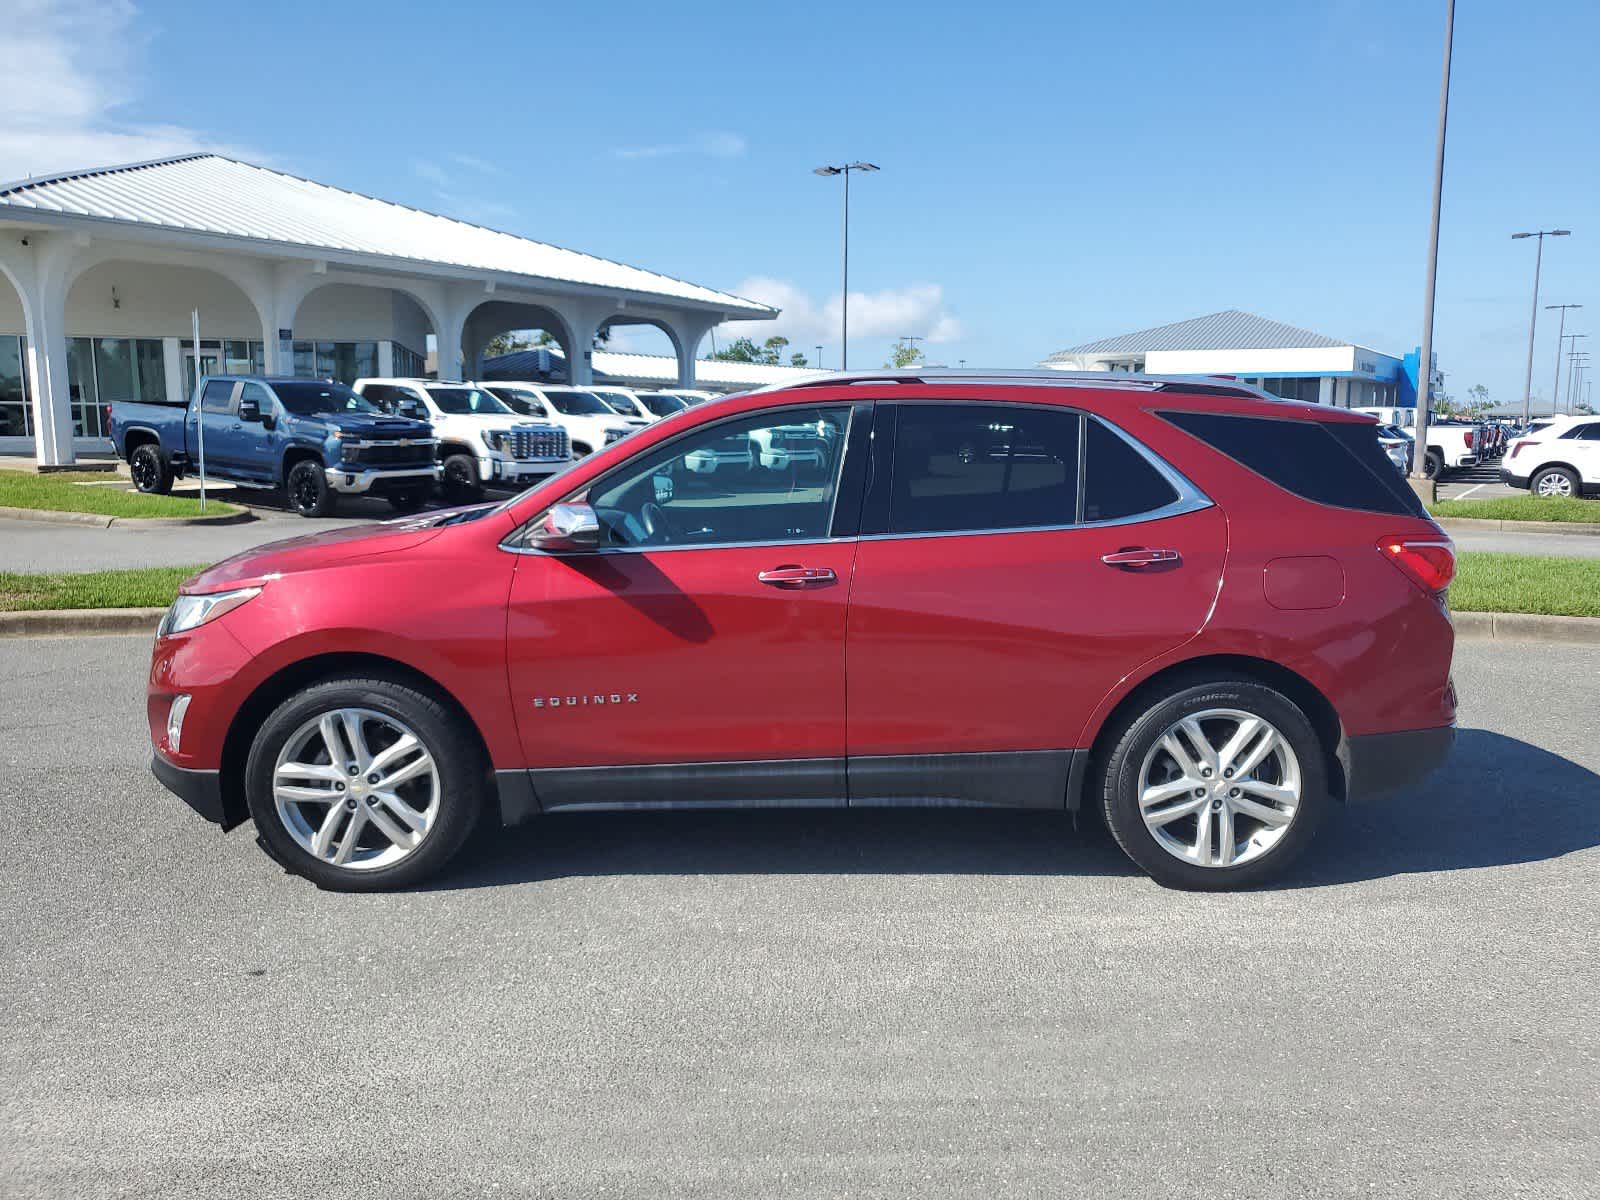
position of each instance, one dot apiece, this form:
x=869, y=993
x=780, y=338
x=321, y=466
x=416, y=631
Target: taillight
x=106, y=409
x=1430, y=563
x=1469, y=439
x=1516, y=446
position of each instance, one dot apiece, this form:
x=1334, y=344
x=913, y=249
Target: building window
x=408, y=364
x=16, y=419
x=102, y=371
x=343, y=362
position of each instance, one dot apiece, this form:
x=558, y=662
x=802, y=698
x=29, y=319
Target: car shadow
x=1496, y=801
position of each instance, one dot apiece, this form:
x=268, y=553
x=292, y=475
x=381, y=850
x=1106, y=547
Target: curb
x=79, y=622
x=101, y=521
x=1564, y=528
x=1526, y=627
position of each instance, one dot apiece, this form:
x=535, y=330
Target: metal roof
x=211, y=195
x=1229, y=330
x=547, y=361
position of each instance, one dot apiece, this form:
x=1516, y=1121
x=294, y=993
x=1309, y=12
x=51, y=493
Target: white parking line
x=1469, y=491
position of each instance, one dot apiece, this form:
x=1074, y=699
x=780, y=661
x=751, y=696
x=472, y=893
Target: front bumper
x=350, y=481
x=1511, y=479
x=504, y=470
x=200, y=790
x=1375, y=763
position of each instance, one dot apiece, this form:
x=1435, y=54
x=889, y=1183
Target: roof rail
x=1041, y=377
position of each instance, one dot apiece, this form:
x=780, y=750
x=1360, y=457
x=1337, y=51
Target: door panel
x=678, y=656
x=1008, y=641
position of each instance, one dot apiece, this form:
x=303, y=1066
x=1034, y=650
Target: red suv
x=1207, y=613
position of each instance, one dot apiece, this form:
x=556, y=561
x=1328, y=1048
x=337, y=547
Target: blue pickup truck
x=315, y=440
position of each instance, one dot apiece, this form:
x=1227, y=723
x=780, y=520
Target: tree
x=797, y=360
x=905, y=354
x=772, y=350
x=739, y=350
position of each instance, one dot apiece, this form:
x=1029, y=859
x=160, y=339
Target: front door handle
x=1137, y=557
x=798, y=577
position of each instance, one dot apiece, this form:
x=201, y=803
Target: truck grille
x=526, y=445
x=381, y=455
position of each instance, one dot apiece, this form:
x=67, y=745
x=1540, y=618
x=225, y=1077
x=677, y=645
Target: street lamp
x=819, y=358
x=1571, y=352
x=1533, y=321
x=1419, y=461
x=844, y=310
x=1555, y=387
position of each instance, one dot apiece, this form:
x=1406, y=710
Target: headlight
x=494, y=439
x=190, y=612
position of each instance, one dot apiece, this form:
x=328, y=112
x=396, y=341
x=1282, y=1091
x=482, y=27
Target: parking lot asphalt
x=788, y=1003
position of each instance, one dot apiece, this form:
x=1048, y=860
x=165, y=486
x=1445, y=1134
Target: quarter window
x=766, y=478
x=970, y=467
x=1119, y=482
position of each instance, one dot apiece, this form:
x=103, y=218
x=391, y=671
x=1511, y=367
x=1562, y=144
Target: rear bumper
x=1510, y=479
x=200, y=790
x=347, y=481
x=1375, y=763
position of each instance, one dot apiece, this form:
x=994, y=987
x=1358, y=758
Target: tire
x=409, y=500
x=1555, y=481
x=447, y=801
x=149, y=469
x=460, y=482
x=307, y=489
x=581, y=450
x=1138, y=759
x=1433, y=465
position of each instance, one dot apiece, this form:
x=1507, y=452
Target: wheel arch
x=295, y=455
x=306, y=672
x=1309, y=698
x=1555, y=465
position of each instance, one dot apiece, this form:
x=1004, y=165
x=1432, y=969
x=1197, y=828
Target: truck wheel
x=149, y=469
x=1433, y=465
x=409, y=500
x=460, y=482
x=1217, y=785
x=307, y=489
x=1554, y=481
x=364, y=784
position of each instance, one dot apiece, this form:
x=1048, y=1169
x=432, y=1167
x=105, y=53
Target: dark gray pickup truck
x=315, y=440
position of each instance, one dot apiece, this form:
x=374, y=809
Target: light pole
x=1533, y=321
x=1580, y=364
x=819, y=358
x=1555, y=387
x=1569, y=351
x=844, y=310
x=1419, y=460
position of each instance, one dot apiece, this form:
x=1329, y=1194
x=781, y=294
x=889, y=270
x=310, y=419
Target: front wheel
x=308, y=490
x=1216, y=785
x=149, y=469
x=460, y=479
x=409, y=500
x=364, y=784
x=1554, y=481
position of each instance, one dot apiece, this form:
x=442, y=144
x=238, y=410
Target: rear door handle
x=798, y=577
x=1135, y=557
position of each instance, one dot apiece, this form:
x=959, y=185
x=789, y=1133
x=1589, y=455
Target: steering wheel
x=656, y=528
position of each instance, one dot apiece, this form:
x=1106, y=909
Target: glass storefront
x=408, y=364
x=16, y=417
x=103, y=370
x=343, y=362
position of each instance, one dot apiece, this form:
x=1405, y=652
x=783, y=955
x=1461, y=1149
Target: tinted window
x=305, y=399
x=1119, y=482
x=764, y=478
x=254, y=391
x=1587, y=433
x=521, y=401
x=579, y=404
x=465, y=401
x=618, y=403
x=983, y=466
x=218, y=396
x=663, y=405
x=1333, y=463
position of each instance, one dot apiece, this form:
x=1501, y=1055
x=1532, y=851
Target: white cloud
x=918, y=310
x=713, y=145
x=69, y=66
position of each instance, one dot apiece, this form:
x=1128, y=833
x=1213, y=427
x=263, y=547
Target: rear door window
x=1334, y=463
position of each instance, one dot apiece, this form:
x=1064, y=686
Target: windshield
x=523, y=402
x=663, y=405
x=618, y=403
x=306, y=399
x=579, y=404
x=466, y=401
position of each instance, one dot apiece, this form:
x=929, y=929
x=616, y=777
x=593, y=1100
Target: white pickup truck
x=590, y=422
x=1452, y=444
x=481, y=440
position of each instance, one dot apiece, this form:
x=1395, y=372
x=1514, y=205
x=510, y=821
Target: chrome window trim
x=507, y=544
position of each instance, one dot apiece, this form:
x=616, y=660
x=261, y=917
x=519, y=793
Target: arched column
x=40, y=271
x=688, y=333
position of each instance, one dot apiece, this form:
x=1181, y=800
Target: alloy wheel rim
x=356, y=789
x=143, y=471
x=1555, y=485
x=1220, y=788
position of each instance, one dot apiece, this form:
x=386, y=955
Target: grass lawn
x=143, y=587
x=1522, y=508
x=1526, y=583
x=64, y=493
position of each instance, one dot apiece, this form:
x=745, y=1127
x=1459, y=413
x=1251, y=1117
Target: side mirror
x=410, y=408
x=249, y=410
x=567, y=527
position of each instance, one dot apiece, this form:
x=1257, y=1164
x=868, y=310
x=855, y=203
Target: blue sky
x=1052, y=173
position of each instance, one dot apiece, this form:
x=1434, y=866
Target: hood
x=376, y=424
x=314, y=551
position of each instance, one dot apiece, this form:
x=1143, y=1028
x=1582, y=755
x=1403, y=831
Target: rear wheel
x=149, y=469
x=460, y=479
x=307, y=489
x=1433, y=465
x=1216, y=785
x=364, y=784
x=1554, y=481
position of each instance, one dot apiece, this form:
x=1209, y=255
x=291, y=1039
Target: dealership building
x=1285, y=360
x=100, y=271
